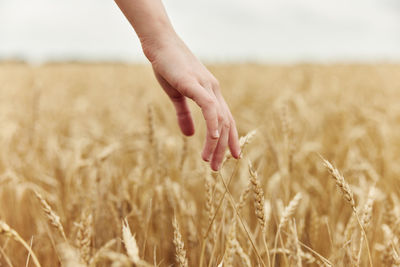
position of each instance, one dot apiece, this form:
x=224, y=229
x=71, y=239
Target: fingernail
x=216, y=134
x=207, y=159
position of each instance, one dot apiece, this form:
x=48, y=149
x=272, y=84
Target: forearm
x=149, y=20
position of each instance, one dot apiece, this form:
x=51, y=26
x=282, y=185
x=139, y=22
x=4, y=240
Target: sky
x=216, y=30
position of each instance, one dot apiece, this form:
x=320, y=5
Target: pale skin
x=183, y=76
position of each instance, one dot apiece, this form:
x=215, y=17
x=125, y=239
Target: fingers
x=220, y=115
x=185, y=120
x=234, y=145
x=233, y=140
x=183, y=114
x=219, y=152
x=221, y=128
x=208, y=105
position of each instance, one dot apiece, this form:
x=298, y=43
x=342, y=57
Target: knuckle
x=226, y=124
x=220, y=118
x=213, y=138
x=209, y=101
x=215, y=84
x=232, y=121
x=183, y=113
x=181, y=84
x=176, y=98
x=207, y=85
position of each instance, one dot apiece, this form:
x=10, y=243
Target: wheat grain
x=243, y=197
x=52, y=217
x=84, y=237
x=258, y=197
x=96, y=150
x=230, y=246
x=70, y=256
x=290, y=210
x=179, y=245
x=240, y=252
x=342, y=184
x=130, y=243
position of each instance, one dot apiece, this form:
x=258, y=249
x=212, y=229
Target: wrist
x=158, y=40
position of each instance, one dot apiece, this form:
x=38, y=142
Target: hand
x=182, y=76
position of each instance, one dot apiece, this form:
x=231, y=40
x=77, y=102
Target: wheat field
x=94, y=170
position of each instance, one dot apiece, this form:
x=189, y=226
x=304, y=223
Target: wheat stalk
x=286, y=215
x=348, y=196
x=95, y=258
x=184, y=153
x=367, y=211
x=230, y=246
x=243, y=142
x=314, y=229
x=233, y=204
x=259, y=205
x=366, y=218
x=240, y=252
x=298, y=251
x=7, y=231
x=210, y=210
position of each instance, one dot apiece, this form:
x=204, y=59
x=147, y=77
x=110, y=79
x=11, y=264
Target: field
x=94, y=170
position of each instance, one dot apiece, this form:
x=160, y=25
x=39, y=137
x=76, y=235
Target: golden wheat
x=100, y=146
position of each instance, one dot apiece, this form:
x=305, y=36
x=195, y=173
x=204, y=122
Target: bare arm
x=183, y=76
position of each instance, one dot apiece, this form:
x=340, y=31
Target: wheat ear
x=259, y=205
x=286, y=215
x=70, y=256
x=366, y=218
x=52, y=217
x=84, y=238
x=230, y=246
x=243, y=197
x=258, y=197
x=179, y=245
x=130, y=243
x=341, y=183
x=100, y=251
x=243, y=256
x=290, y=210
x=348, y=196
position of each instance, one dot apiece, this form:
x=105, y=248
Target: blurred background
x=283, y=31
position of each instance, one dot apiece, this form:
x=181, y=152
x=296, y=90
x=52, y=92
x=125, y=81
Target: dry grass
x=94, y=171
